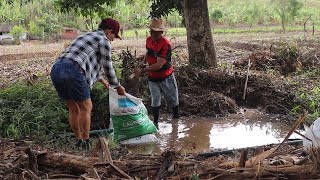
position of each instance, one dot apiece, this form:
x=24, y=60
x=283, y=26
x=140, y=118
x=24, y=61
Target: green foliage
x=50, y=24
x=287, y=10
x=310, y=98
x=86, y=8
x=33, y=110
x=83, y=7
x=100, y=110
x=36, y=110
x=17, y=31
x=137, y=13
x=174, y=19
x=161, y=8
x=35, y=29
x=216, y=15
x=139, y=21
x=195, y=177
x=12, y=11
x=252, y=14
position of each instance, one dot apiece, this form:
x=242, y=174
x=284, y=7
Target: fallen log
x=83, y=163
x=231, y=151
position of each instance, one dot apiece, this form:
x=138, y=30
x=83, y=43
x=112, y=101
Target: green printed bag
x=129, y=116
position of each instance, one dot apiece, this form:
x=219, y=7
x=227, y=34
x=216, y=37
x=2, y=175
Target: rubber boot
x=175, y=111
x=156, y=114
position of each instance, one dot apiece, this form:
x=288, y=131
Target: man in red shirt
x=162, y=81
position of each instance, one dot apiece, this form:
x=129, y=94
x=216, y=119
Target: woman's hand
x=105, y=83
x=121, y=90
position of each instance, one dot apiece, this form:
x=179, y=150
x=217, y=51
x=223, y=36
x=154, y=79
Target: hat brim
x=157, y=29
x=118, y=36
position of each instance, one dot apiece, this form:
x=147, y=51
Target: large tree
x=200, y=42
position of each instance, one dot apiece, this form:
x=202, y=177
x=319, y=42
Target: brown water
x=197, y=134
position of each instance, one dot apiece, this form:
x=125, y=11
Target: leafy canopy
x=85, y=7
x=164, y=7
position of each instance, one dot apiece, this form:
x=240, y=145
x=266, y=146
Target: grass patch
x=176, y=32
x=36, y=110
x=310, y=98
x=132, y=33
x=31, y=110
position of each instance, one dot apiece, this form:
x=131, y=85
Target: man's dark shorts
x=69, y=80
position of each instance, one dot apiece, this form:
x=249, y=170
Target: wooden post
x=246, y=83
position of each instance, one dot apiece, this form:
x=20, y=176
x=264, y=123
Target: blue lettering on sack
x=125, y=102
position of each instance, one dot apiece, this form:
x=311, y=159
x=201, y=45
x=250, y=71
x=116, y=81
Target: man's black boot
x=175, y=111
x=156, y=114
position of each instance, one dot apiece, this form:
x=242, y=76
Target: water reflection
x=246, y=129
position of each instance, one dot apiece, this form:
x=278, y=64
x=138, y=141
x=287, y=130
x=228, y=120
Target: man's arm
x=156, y=66
x=105, y=51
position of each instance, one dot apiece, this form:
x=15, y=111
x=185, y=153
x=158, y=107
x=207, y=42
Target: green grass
x=145, y=32
x=307, y=3
x=36, y=110
x=175, y=32
x=31, y=110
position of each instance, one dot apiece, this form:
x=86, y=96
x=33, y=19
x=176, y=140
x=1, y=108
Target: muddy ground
x=203, y=92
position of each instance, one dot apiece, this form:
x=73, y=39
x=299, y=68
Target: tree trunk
x=200, y=42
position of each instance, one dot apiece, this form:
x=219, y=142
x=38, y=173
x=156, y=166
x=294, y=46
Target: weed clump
x=35, y=110
x=31, y=110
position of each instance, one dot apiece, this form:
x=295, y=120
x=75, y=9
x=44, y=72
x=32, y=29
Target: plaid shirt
x=92, y=51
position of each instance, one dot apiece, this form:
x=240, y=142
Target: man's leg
x=85, y=108
x=74, y=118
x=156, y=115
x=155, y=101
x=175, y=111
x=169, y=88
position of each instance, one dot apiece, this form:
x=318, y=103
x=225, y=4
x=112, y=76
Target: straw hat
x=157, y=25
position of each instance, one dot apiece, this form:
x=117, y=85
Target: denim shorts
x=69, y=80
x=167, y=88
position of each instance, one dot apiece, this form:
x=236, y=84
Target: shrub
x=216, y=15
x=16, y=32
x=36, y=110
x=34, y=29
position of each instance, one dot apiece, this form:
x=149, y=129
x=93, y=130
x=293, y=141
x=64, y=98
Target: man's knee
x=85, y=105
x=73, y=106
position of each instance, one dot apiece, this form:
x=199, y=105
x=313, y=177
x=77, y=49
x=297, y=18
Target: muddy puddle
x=248, y=128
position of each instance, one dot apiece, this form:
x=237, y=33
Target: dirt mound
x=197, y=101
x=241, y=45
x=263, y=91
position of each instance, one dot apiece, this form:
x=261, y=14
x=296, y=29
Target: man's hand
x=137, y=72
x=121, y=90
x=105, y=83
